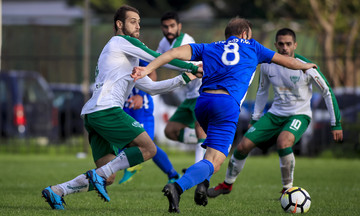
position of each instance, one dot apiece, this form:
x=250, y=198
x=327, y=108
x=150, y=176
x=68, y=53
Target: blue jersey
x=230, y=64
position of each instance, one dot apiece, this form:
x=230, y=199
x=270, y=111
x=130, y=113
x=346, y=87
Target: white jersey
x=113, y=83
x=192, y=89
x=292, y=92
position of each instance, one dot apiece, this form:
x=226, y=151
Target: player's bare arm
x=183, y=53
x=291, y=63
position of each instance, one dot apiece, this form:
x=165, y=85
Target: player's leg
x=291, y=134
x=201, y=135
x=220, y=124
x=235, y=166
x=181, y=124
x=259, y=134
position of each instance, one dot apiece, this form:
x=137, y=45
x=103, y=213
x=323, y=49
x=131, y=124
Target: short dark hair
x=285, y=31
x=237, y=26
x=121, y=14
x=170, y=15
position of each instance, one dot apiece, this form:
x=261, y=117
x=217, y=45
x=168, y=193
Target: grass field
x=334, y=186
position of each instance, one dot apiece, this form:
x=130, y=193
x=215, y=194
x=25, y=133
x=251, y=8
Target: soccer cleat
x=282, y=192
x=200, y=197
x=173, y=196
x=55, y=201
x=129, y=172
x=222, y=188
x=99, y=184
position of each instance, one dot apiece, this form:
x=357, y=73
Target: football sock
x=199, y=151
x=196, y=174
x=125, y=159
x=78, y=184
x=287, y=166
x=188, y=136
x=234, y=168
x=162, y=161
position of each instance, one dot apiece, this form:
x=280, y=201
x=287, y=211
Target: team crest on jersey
x=136, y=124
x=294, y=79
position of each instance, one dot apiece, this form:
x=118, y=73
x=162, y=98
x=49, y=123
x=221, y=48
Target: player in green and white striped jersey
x=110, y=128
x=288, y=117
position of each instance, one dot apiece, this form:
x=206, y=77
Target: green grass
x=334, y=186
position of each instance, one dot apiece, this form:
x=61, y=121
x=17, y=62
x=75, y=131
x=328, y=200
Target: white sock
x=190, y=136
x=120, y=162
x=287, y=166
x=199, y=152
x=234, y=168
x=78, y=184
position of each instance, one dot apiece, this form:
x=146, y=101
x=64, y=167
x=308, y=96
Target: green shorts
x=185, y=113
x=110, y=130
x=265, y=131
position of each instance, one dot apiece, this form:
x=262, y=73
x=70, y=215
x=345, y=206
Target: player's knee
x=245, y=146
x=170, y=133
x=283, y=143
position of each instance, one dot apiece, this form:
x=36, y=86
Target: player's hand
x=138, y=73
x=310, y=66
x=135, y=102
x=200, y=71
x=190, y=75
x=337, y=135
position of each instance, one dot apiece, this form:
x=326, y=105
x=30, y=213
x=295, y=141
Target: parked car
x=318, y=136
x=69, y=100
x=26, y=108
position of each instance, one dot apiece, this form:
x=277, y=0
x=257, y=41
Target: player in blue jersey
x=140, y=106
x=286, y=120
x=229, y=68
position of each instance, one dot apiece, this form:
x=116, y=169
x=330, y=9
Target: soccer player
x=110, y=128
x=228, y=69
x=182, y=125
x=288, y=117
x=140, y=106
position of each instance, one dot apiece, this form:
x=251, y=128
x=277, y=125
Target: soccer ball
x=296, y=200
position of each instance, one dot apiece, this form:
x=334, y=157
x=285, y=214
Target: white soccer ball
x=296, y=200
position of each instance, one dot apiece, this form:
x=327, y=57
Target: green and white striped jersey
x=293, y=92
x=192, y=89
x=113, y=83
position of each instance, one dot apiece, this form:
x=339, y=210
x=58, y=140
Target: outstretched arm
x=291, y=63
x=183, y=53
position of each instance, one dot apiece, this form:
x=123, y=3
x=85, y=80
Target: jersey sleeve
x=197, y=50
x=262, y=94
x=136, y=48
x=264, y=54
x=159, y=87
x=321, y=83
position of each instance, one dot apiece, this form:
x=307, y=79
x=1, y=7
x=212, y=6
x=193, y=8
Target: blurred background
x=49, y=51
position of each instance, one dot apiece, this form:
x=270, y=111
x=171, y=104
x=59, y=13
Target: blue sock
x=196, y=174
x=162, y=161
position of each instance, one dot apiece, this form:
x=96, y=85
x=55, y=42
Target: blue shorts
x=218, y=115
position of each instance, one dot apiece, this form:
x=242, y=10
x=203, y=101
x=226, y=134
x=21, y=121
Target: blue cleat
x=129, y=172
x=55, y=201
x=99, y=184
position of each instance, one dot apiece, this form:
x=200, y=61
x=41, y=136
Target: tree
x=338, y=24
